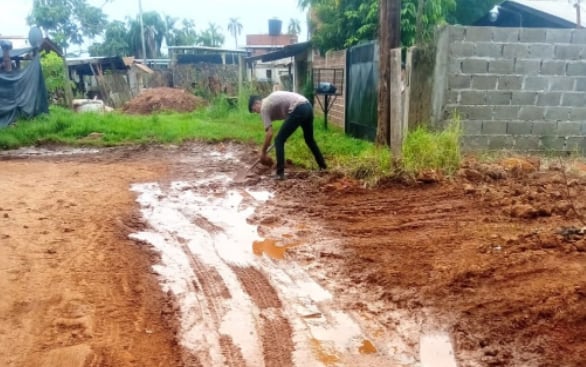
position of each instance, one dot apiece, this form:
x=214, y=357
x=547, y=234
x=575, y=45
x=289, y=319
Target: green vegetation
x=222, y=121
x=338, y=24
x=424, y=150
x=54, y=76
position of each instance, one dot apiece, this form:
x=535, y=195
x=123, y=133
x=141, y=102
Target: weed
x=425, y=150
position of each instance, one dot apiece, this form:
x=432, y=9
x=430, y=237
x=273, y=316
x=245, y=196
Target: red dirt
x=497, y=254
x=163, y=99
x=76, y=291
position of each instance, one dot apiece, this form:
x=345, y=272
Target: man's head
x=254, y=104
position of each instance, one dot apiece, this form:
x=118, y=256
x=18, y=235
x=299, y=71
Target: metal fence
x=362, y=72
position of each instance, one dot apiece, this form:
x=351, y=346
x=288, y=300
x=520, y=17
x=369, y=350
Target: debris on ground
x=163, y=99
x=90, y=105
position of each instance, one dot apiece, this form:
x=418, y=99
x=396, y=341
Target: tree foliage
x=124, y=38
x=68, y=22
x=468, y=11
x=116, y=41
x=211, y=37
x=54, y=76
x=187, y=34
x=338, y=24
x=154, y=31
x=294, y=27
x=235, y=28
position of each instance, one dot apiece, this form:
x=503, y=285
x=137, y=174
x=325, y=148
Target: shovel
x=258, y=160
x=243, y=174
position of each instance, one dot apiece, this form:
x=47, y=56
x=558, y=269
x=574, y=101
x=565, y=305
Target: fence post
x=406, y=89
x=396, y=104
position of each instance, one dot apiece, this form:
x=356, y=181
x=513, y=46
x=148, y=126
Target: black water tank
x=275, y=27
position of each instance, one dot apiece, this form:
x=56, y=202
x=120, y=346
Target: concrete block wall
x=515, y=88
x=333, y=59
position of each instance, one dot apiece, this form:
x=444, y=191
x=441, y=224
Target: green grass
x=65, y=127
x=439, y=151
x=221, y=122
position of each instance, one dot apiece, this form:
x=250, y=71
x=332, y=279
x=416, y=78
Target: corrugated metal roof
x=562, y=9
x=287, y=51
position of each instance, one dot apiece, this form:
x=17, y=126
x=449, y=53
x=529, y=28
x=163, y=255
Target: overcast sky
x=253, y=14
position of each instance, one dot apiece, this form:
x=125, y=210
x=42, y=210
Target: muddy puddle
x=242, y=301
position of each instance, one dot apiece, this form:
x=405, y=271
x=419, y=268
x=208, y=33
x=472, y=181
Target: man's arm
x=267, y=142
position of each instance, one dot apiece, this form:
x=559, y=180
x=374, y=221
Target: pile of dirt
x=163, y=99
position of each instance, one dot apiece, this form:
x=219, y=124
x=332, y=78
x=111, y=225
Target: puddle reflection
x=367, y=347
x=270, y=248
x=323, y=354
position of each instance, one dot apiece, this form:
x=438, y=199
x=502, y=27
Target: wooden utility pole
x=384, y=87
x=395, y=15
x=389, y=38
x=419, y=23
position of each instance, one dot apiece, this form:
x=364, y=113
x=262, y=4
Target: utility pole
x=383, y=136
x=396, y=95
x=389, y=38
x=419, y=23
x=144, y=56
x=395, y=15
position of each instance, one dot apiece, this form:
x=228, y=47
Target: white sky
x=253, y=14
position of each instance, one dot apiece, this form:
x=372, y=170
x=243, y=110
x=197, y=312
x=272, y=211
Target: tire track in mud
x=276, y=341
x=232, y=354
x=211, y=284
x=276, y=332
x=258, y=287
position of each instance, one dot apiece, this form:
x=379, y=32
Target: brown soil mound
x=163, y=99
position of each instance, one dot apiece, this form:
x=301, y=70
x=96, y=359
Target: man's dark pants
x=302, y=116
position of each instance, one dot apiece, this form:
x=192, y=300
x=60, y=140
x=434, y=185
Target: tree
x=68, y=22
x=150, y=37
x=115, y=41
x=235, y=28
x=154, y=32
x=170, y=30
x=344, y=23
x=55, y=80
x=294, y=27
x=187, y=35
x=468, y=11
x=211, y=37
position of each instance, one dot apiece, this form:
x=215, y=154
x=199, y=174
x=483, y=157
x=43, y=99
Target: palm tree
x=169, y=28
x=212, y=36
x=294, y=27
x=154, y=32
x=187, y=35
x=150, y=36
x=235, y=28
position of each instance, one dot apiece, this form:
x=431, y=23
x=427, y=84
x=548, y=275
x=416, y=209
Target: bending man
x=296, y=111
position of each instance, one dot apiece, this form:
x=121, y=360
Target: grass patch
x=438, y=151
x=62, y=126
x=222, y=121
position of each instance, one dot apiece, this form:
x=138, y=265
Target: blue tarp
x=23, y=93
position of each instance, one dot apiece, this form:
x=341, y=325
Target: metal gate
x=362, y=70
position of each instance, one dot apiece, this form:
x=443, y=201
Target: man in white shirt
x=296, y=110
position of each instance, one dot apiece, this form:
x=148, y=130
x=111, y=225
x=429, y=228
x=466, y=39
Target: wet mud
x=486, y=269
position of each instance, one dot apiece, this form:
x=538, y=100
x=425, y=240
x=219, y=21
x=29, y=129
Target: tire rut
x=258, y=287
x=276, y=341
x=232, y=354
x=276, y=331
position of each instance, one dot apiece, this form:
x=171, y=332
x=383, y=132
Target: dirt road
x=156, y=257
